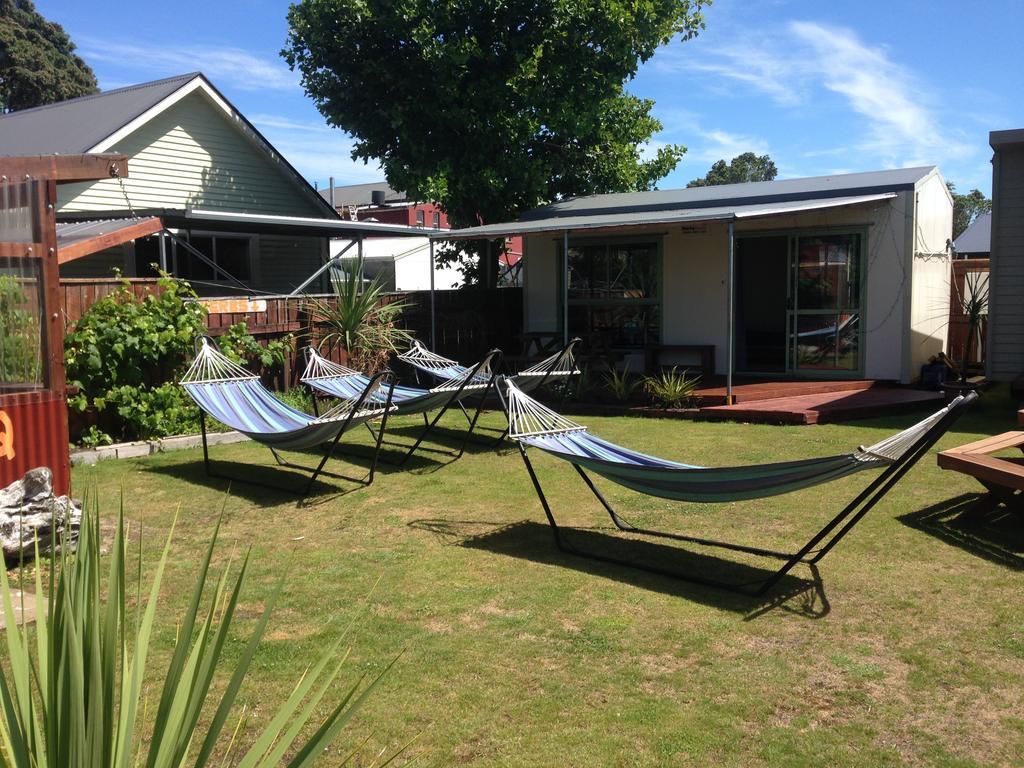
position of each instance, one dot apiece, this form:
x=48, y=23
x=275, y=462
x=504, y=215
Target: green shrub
x=126, y=355
x=76, y=691
x=621, y=384
x=20, y=348
x=671, y=389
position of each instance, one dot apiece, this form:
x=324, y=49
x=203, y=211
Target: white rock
x=29, y=512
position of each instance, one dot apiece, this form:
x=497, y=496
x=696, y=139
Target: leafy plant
x=671, y=388
x=126, y=354
x=621, y=384
x=359, y=320
x=72, y=694
x=20, y=349
x=240, y=346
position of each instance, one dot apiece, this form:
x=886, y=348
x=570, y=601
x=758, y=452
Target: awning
x=81, y=238
x=262, y=223
x=559, y=224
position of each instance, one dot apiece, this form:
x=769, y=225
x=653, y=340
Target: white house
x=842, y=276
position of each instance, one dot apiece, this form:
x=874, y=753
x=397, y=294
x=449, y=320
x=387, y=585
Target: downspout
x=433, y=312
x=565, y=287
x=730, y=331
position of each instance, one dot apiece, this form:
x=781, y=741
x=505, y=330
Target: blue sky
x=823, y=87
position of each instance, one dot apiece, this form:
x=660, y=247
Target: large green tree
x=38, y=64
x=491, y=107
x=966, y=208
x=742, y=168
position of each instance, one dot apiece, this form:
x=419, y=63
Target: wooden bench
x=1002, y=477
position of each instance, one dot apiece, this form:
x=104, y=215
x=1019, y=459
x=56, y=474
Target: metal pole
x=729, y=319
x=330, y=191
x=332, y=262
x=433, y=311
x=163, y=252
x=565, y=287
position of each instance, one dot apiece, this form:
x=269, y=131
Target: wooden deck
x=826, y=404
x=751, y=390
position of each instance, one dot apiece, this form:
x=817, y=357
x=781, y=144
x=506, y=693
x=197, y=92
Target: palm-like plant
x=359, y=319
x=671, y=388
x=974, y=305
x=72, y=694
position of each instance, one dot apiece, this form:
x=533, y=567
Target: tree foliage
x=491, y=107
x=38, y=64
x=966, y=208
x=741, y=169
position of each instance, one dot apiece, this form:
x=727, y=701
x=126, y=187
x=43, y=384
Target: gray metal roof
x=977, y=238
x=654, y=218
x=77, y=125
x=721, y=201
x=360, y=194
x=295, y=225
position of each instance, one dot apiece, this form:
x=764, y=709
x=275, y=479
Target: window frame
x=252, y=245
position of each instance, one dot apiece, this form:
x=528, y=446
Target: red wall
x=34, y=433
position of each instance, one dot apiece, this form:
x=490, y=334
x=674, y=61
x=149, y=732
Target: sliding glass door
x=824, y=317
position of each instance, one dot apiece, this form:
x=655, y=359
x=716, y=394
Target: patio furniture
x=534, y=425
x=236, y=398
x=1003, y=477
x=335, y=380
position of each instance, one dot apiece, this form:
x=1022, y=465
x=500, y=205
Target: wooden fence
x=959, y=339
x=469, y=322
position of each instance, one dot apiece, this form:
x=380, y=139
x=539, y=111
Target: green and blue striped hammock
x=532, y=425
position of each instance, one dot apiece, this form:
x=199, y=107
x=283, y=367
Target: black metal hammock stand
x=532, y=425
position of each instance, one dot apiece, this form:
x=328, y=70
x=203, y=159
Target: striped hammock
x=562, y=363
x=236, y=398
x=335, y=380
x=533, y=424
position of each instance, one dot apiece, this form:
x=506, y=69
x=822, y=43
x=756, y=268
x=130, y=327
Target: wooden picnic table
x=1003, y=477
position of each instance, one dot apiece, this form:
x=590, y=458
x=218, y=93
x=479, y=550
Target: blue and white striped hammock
x=560, y=364
x=235, y=397
x=533, y=424
x=335, y=380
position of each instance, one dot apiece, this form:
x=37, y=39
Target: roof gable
x=977, y=238
x=77, y=125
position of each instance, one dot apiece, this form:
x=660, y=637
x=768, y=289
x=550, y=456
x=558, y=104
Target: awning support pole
x=330, y=263
x=433, y=309
x=565, y=287
x=730, y=330
x=162, y=241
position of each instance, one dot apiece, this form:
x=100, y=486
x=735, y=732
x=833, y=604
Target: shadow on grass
x=270, y=484
x=532, y=541
x=970, y=522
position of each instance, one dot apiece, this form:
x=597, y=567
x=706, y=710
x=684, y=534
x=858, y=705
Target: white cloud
x=896, y=118
x=233, y=68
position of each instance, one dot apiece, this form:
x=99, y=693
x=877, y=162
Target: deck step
x=824, y=407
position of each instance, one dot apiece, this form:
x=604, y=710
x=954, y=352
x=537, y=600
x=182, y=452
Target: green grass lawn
x=910, y=650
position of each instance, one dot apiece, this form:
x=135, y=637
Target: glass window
x=437, y=220
x=828, y=272
x=230, y=253
x=614, y=293
x=147, y=254
x=419, y=218
x=21, y=335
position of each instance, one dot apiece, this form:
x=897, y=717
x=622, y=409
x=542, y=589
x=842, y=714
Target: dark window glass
x=233, y=255
x=614, y=293
x=147, y=254
x=21, y=332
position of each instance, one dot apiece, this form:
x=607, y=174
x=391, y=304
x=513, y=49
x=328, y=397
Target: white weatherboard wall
x=695, y=271
x=195, y=155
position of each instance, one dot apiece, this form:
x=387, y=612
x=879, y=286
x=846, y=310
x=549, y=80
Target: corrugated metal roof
x=82, y=238
x=977, y=238
x=360, y=194
x=655, y=218
x=77, y=125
